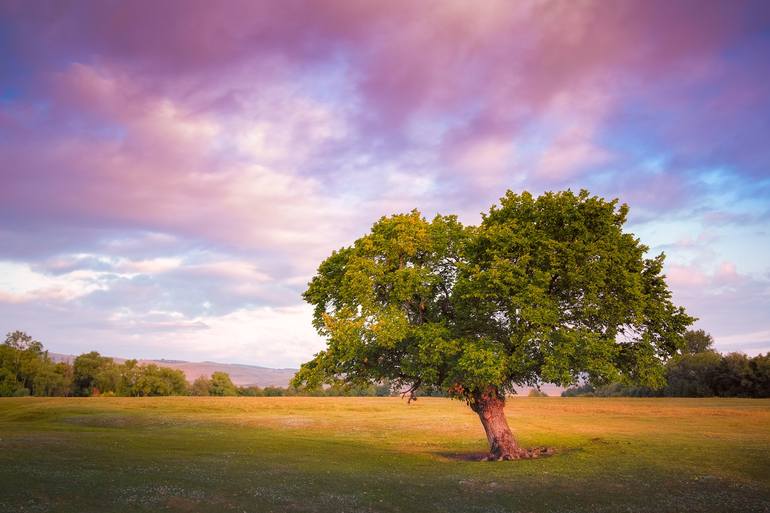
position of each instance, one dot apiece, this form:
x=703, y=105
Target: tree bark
x=490, y=407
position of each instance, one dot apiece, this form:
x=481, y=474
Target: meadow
x=303, y=454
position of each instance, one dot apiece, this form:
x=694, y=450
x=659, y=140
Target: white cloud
x=268, y=336
x=751, y=343
x=19, y=283
x=149, y=266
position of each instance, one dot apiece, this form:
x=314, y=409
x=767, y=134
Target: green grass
x=378, y=454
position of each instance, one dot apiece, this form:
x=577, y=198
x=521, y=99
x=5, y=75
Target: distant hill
x=239, y=373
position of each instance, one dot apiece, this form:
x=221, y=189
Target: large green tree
x=546, y=289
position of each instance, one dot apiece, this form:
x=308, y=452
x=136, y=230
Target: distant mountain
x=239, y=373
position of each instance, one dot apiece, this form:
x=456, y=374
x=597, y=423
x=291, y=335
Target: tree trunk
x=490, y=406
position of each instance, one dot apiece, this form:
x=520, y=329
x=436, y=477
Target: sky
x=173, y=172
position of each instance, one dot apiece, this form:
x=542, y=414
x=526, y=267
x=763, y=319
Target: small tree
x=201, y=386
x=760, y=370
x=25, y=358
x=546, y=289
x=697, y=341
x=734, y=377
x=97, y=374
x=9, y=385
x=221, y=384
x=152, y=380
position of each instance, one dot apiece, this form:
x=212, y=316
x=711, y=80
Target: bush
x=201, y=386
x=586, y=390
x=152, y=380
x=250, y=391
x=222, y=385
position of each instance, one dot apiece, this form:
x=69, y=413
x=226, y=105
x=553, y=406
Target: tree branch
x=410, y=391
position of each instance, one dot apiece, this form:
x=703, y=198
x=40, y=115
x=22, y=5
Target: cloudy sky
x=172, y=173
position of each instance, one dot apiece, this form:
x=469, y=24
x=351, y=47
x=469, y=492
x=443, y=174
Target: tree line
x=27, y=369
x=697, y=371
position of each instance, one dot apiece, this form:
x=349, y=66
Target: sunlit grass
x=380, y=454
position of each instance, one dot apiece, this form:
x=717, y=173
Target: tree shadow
x=531, y=453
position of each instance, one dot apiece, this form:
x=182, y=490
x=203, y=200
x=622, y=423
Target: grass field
x=378, y=454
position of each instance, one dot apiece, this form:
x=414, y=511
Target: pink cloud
x=693, y=276
x=230, y=179
x=179, y=84
x=727, y=275
x=406, y=56
x=680, y=275
x=274, y=132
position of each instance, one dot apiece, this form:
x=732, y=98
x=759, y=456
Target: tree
x=697, y=341
x=24, y=358
x=93, y=373
x=53, y=379
x=129, y=376
x=733, y=377
x=221, y=384
x=760, y=370
x=200, y=386
x=585, y=390
x=272, y=391
x=26, y=368
x=9, y=386
x=152, y=380
x=545, y=289
x=250, y=391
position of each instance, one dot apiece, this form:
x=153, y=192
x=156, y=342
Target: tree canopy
x=546, y=288
x=697, y=341
x=221, y=384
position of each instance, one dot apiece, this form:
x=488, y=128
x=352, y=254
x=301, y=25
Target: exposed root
x=522, y=454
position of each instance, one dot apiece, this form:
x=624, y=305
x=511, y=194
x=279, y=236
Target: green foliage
x=584, y=390
x=8, y=383
x=53, y=379
x=610, y=390
x=534, y=392
x=697, y=341
x=95, y=374
x=26, y=369
x=759, y=366
x=692, y=375
x=733, y=376
x=222, y=385
x=708, y=373
x=250, y=391
x=704, y=373
x=545, y=289
x=153, y=380
x=201, y=386
x=271, y=391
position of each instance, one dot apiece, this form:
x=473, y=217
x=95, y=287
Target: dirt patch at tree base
x=523, y=454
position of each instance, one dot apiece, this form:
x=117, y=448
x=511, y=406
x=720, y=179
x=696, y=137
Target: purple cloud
x=171, y=168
